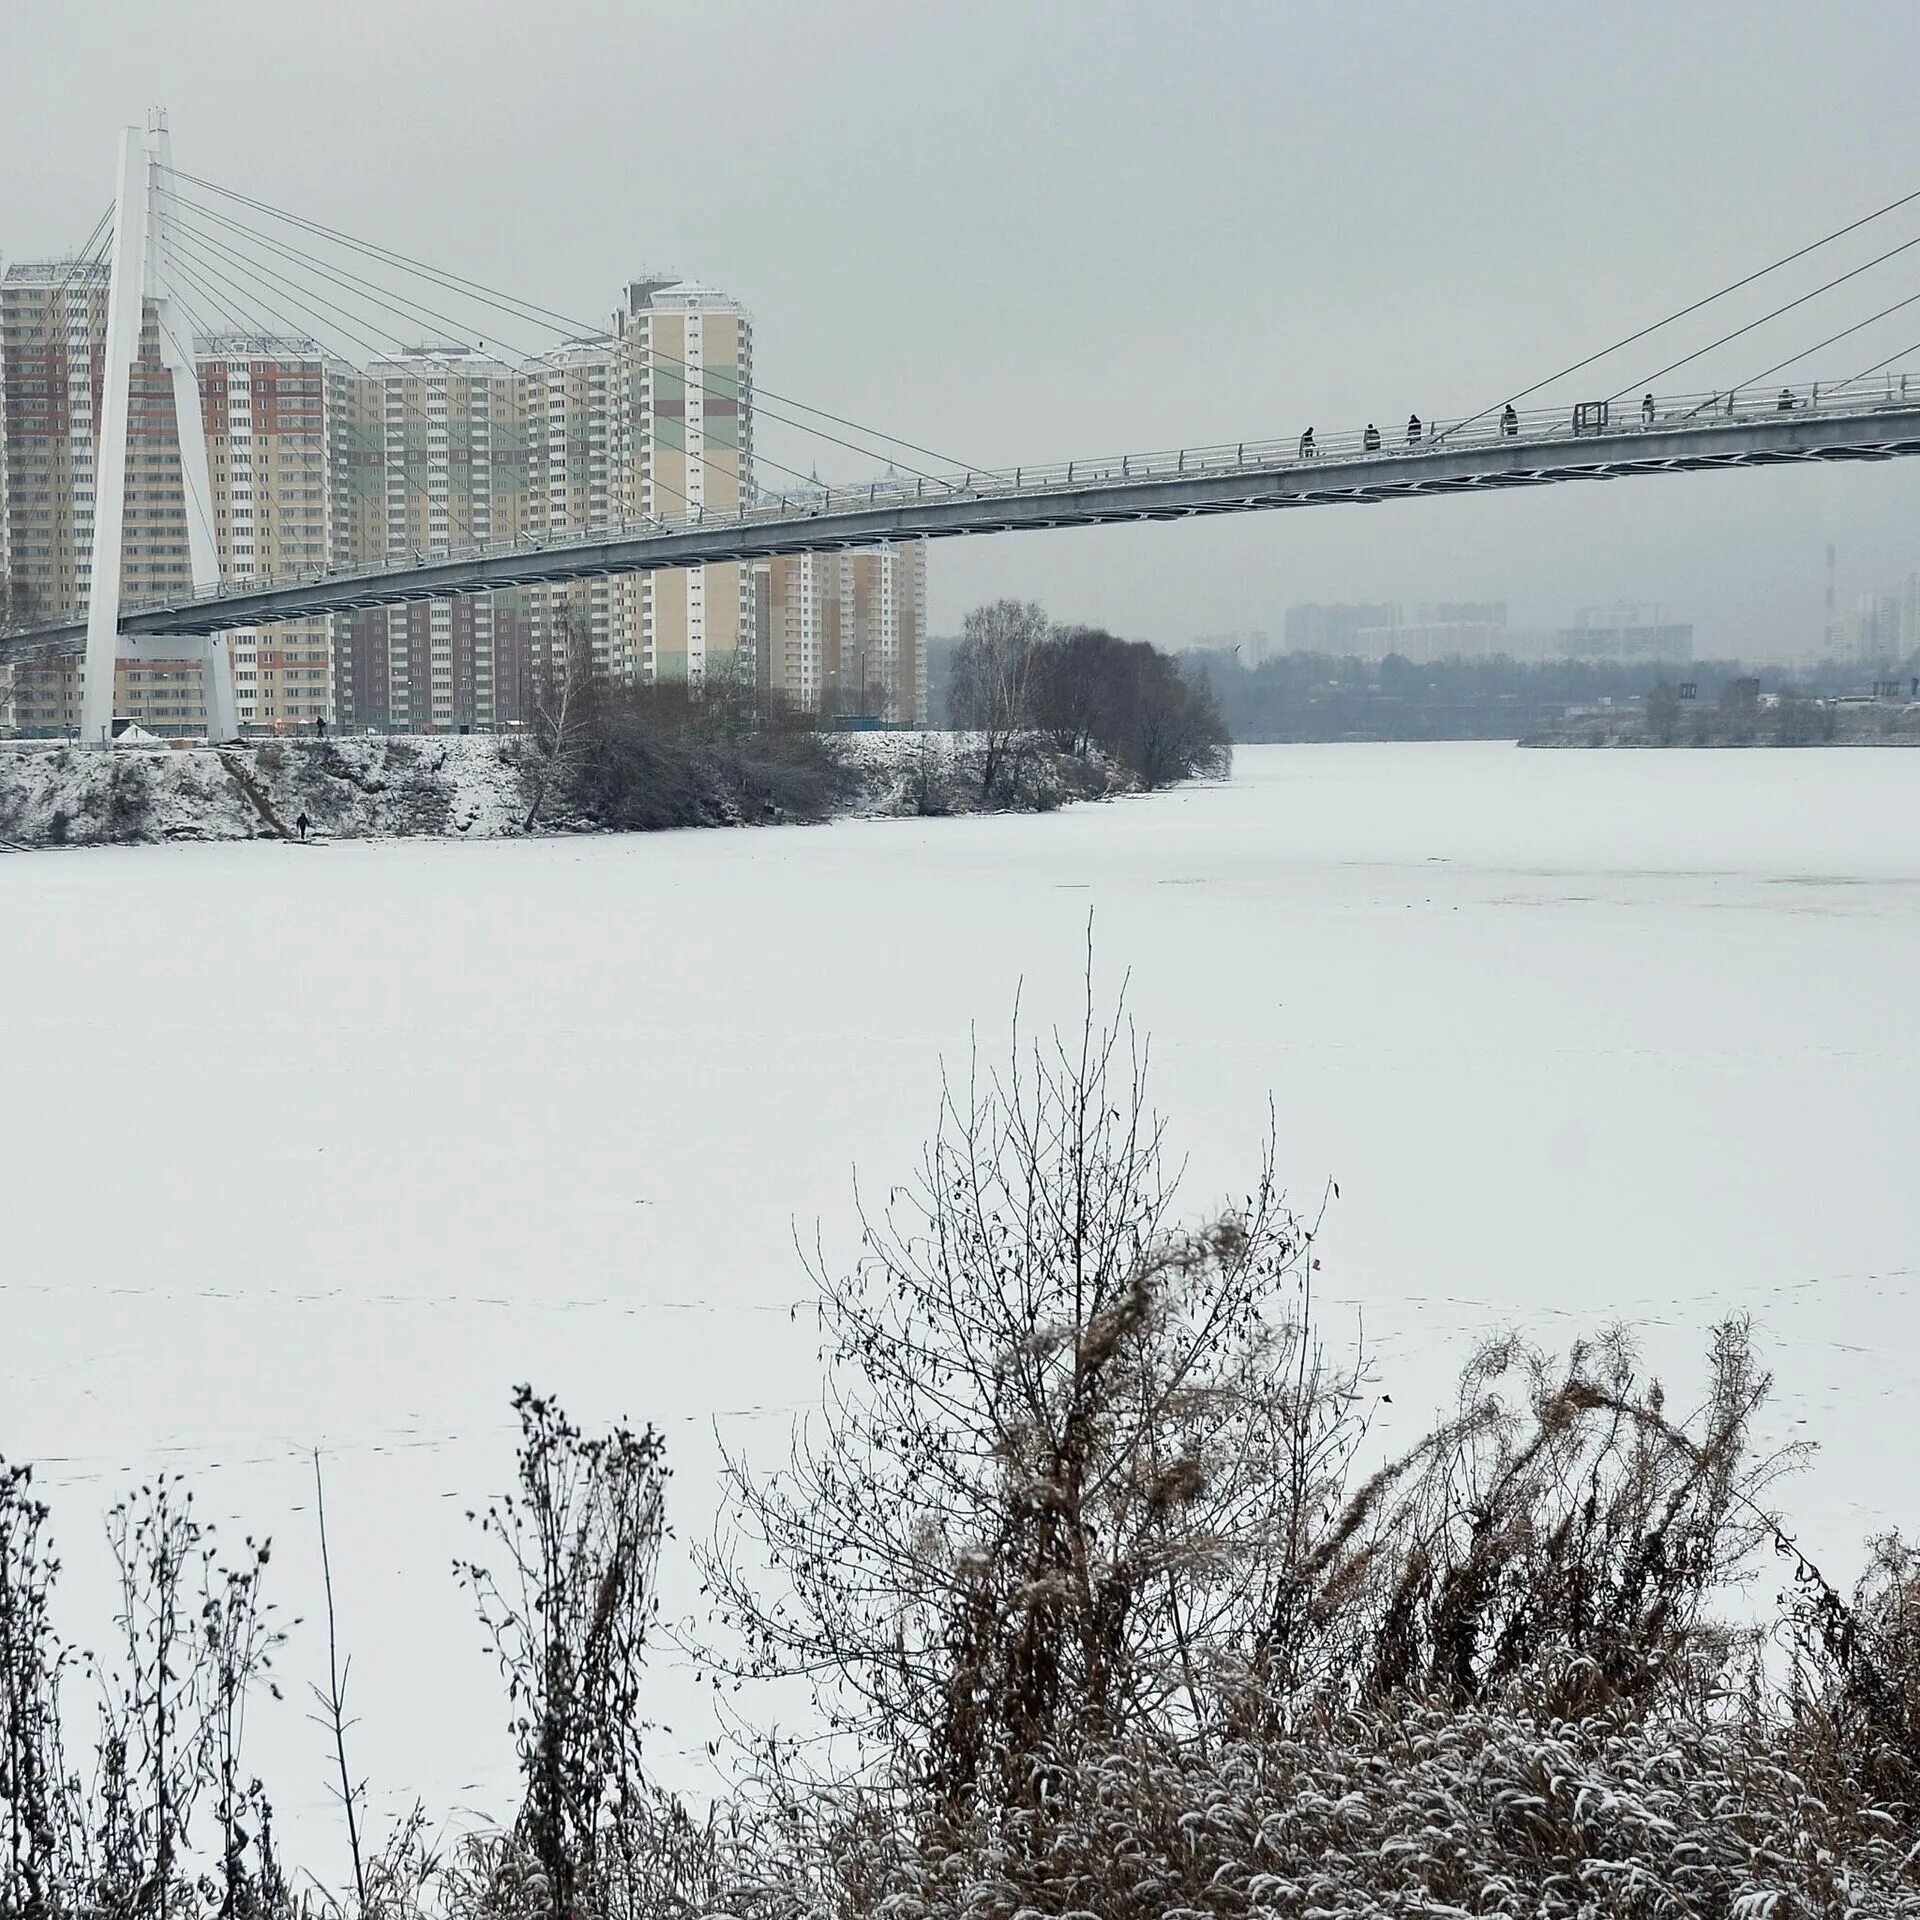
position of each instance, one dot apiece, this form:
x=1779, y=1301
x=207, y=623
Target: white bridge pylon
x=140, y=276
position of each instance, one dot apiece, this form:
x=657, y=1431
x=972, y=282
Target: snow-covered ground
x=332, y=1145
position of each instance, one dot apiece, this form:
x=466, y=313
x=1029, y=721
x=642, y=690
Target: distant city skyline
x=1877, y=619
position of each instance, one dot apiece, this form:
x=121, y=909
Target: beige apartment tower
x=844, y=634
x=688, y=354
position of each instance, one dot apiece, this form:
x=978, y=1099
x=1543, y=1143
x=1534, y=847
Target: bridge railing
x=1535, y=426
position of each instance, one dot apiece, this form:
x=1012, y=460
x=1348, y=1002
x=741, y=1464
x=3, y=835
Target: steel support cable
x=1839, y=280
x=387, y=465
x=508, y=303
x=240, y=325
x=1785, y=260
x=344, y=322
x=1831, y=339
x=239, y=294
x=99, y=241
x=204, y=243
x=409, y=309
x=527, y=309
x=311, y=471
x=1889, y=361
x=348, y=281
x=653, y=352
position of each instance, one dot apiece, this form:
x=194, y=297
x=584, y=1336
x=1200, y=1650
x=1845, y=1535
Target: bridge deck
x=1468, y=457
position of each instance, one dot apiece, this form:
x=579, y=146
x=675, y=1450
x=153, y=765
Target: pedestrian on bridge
x=1509, y=421
x=1646, y=411
x=1371, y=438
x=1306, y=445
x=1413, y=429
x=1786, y=401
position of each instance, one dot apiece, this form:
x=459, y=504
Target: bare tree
x=1663, y=713
x=564, y=694
x=1133, y=702
x=991, y=687
x=1068, y=698
x=1062, y=1435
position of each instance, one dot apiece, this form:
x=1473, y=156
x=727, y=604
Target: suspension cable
x=508, y=303
x=339, y=277
x=1857, y=327
x=1838, y=280
x=1785, y=260
x=208, y=268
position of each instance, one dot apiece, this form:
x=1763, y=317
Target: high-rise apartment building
x=1625, y=632
x=844, y=634
x=432, y=451
x=264, y=402
x=689, y=366
x=53, y=319
x=315, y=463
x=578, y=425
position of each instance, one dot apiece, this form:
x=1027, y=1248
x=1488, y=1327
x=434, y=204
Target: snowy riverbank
x=440, y=786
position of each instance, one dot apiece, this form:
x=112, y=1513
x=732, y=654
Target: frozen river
x=330, y=1147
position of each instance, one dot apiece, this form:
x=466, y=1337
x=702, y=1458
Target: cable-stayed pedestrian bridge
x=1866, y=420
x=187, y=264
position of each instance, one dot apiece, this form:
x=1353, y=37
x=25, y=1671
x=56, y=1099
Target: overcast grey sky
x=1029, y=229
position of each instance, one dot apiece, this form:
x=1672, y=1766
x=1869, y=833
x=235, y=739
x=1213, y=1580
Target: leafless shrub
x=1419, y=1810
x=1576, y=1542
x=567, y=1602
x=677, y=756
x=38, y=1810
x=195, y=1638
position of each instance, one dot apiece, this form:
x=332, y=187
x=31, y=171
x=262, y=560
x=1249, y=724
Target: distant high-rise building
x=264, y=405
x=1624, y=633
x=316, y=463
x=434, y=441
x=845, y=633
x=1336, y=629
x=689, y=364
x=1870, y=633
x=575, y=402
x=53, y=323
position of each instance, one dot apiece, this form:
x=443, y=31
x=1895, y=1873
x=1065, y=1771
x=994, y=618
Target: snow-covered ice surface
x=331, y=1145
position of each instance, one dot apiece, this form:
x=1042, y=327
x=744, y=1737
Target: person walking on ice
x=303, y=823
